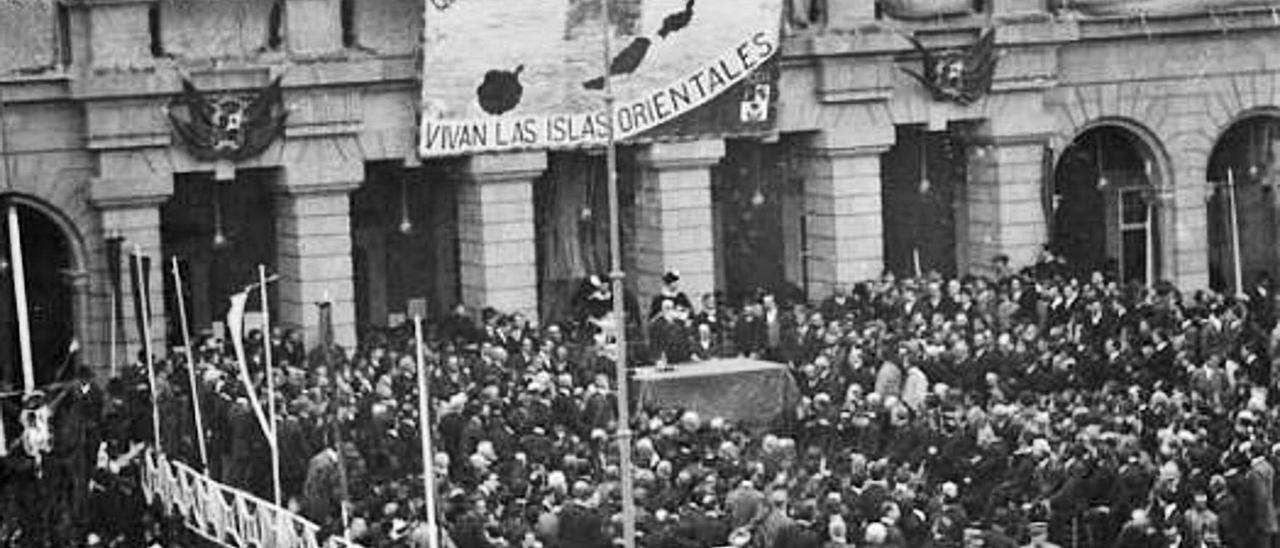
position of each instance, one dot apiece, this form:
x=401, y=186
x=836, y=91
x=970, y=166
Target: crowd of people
x=1041, y=408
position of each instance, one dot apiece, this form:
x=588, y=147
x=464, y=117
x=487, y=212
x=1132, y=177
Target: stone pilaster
x=497, y=242
x=1183, y=217
x=130, y=209
x=1017, y=7
x=314, y=26
x=1004, y=204
x=844, y=229
x=118, y=33
x=674, y=217
x=313, y=231
x=847, y=15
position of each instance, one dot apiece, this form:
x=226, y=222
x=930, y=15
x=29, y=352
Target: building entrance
x=48, y=266
x=1104, y=208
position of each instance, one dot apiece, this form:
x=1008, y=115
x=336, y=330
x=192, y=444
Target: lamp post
x=616, y=275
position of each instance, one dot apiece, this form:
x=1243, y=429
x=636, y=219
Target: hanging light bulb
x=1103, y=182
x=219, y=236
x=925, y=185
x=758, y=198
x=406, y=224
x=1253, y=152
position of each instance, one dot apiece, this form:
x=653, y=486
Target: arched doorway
x=1105, y=215
x=1242, y=162
x=49, y=263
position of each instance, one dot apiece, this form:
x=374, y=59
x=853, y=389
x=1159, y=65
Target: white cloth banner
x=529, y=74
x=225, y=515
x=235, y=324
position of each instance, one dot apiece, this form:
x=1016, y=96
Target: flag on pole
x=235, y=324
x=139, y=280
x=138, y=264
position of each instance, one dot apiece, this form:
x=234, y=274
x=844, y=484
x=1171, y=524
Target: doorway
x=49, y=271
x=922, y=176
x=1242, y=202
x=1105, y=216
x=405, y=252
x=759, y=221
x=220, y=231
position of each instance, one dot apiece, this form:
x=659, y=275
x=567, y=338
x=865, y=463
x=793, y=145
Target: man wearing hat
x=670, y=292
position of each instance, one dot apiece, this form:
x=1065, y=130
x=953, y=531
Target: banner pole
x=617, y=275
x=326, y=347
x=191, y=364
x=144, y=294
x=271, y=384
x=1235, y=231
x=424, y=429
x=20, y=299
x=111, y=325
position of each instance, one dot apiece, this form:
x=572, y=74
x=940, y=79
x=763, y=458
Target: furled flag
x=235, y=324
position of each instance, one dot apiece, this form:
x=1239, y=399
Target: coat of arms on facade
x=229, y=127
x=959, y=77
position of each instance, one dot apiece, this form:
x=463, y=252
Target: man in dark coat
x=668, y=336
x=749, y=334
x=1261, y=482
x=581, y=522
x=322, y=490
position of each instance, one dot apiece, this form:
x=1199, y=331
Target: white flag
x=235, y=324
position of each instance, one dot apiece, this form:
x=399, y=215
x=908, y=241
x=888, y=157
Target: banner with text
x=503, y=75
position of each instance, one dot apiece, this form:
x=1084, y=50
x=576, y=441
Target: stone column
x=130, y=208
x=1183, y=233
x=497, y=242
x=1005, y=205
x=313, y=237
x=313, y=232
x=674, y=217
x=844, y=228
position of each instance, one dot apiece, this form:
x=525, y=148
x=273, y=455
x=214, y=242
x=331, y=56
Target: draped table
x=741, y=390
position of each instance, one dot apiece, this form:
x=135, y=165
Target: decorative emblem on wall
x=231, y=127
x=958, y=77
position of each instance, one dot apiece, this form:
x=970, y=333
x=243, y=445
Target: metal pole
x=1235, y=230
x=146, y=344
x=326, y=341
x=271, y=384
x=112, y=323
x=617, y=275
x=8, y=178
x=20, y=300
x=424, y=430
x=191, y=364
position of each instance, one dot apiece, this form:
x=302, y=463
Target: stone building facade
x=84, y=84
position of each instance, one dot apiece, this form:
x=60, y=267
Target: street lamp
x=617, y=275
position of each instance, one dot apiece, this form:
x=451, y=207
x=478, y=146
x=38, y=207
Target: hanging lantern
x=219, y=236
x=757, y=174
x=925, y=185
x=1103, y=181
x=406, y=223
